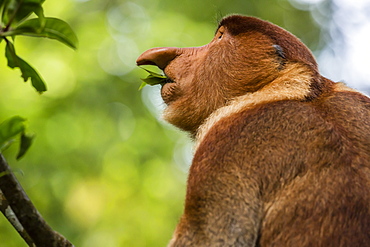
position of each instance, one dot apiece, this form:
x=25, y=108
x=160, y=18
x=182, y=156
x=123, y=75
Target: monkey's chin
x=169, y=92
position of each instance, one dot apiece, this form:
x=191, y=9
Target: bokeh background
x=104, y=169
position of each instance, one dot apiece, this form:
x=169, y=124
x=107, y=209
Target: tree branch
x=12, y=218
x=26, y=213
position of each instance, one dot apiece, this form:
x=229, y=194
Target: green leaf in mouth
x=152, y=79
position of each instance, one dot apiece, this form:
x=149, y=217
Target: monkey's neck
x=293, y=83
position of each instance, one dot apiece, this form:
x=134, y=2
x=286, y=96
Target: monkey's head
x=245, y=55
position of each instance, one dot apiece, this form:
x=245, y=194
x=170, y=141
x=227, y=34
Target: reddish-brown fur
x=282, y=154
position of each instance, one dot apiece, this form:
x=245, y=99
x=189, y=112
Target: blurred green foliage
x=104, y=170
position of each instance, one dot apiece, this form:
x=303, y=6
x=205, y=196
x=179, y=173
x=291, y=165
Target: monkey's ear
x=279, y=51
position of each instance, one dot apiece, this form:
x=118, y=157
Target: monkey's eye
x=220, y=34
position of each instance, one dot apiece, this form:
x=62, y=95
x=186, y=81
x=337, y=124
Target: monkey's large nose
x=160, y=57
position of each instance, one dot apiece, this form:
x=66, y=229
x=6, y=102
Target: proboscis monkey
x=282, y=153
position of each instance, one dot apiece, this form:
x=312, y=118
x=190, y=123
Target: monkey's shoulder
x=291, y=127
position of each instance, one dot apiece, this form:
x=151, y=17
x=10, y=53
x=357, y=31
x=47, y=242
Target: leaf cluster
x=152, y=79
x=15, y=20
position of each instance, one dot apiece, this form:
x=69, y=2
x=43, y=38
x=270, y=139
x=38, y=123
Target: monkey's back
x=310, y=161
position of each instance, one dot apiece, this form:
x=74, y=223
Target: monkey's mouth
x=168, y=90
x=168, y=80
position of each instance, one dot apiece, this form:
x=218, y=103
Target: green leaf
x=154, y=74
x=53, y=28
x=17, y=10
x=39, y=11
x=9, y=6
x=152, y=79
x=143, y=84
x=26, y=69
x=10, y=55
x=26, y=141
x=9, y=129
